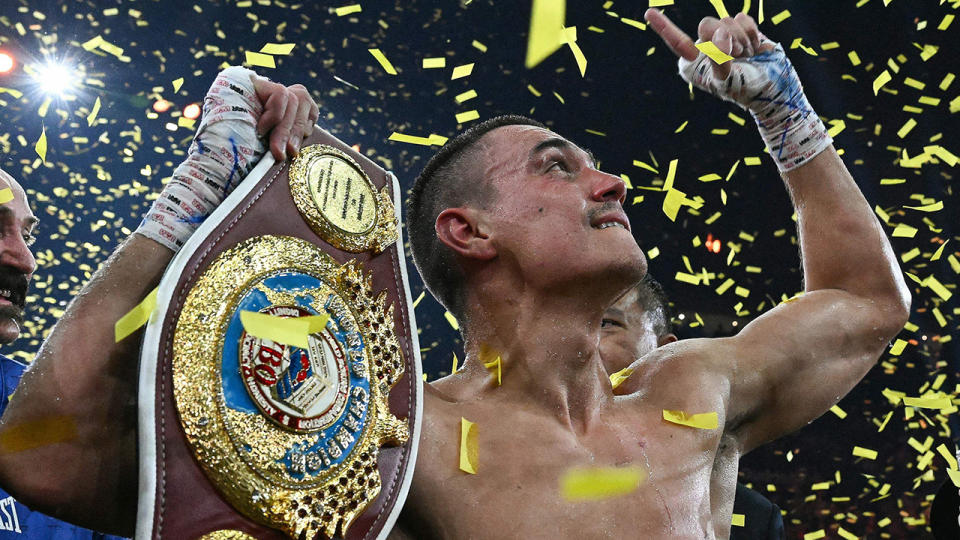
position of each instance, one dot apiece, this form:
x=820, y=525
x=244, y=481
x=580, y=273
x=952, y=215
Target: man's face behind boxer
x=555, y=215
x=17, y=264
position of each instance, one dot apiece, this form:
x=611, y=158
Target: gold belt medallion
x=340, y=202
x=289, y=435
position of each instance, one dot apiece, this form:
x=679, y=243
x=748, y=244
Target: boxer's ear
x=459, y=229
x=666, y=338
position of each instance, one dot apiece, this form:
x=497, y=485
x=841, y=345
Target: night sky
x=631, y=109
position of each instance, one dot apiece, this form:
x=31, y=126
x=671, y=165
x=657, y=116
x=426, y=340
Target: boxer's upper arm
x=792, y=364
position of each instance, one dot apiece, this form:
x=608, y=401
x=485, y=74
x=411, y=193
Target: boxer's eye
x=558, y=164
x=610, y=323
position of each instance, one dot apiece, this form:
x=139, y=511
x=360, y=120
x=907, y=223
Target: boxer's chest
x=527, y=471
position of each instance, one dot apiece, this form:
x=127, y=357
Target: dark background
x=98, y=181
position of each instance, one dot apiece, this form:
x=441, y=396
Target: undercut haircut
x=654, y=302
x=450, y=179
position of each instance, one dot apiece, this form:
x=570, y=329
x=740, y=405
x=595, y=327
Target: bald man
x=17, y=265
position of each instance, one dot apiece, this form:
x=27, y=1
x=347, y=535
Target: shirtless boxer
x=519, y=235
x=639, y=322
x=537, y=273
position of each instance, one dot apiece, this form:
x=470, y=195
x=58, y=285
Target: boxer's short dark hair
x=450, y=179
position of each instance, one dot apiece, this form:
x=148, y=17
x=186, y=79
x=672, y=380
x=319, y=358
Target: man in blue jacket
x=17, y=264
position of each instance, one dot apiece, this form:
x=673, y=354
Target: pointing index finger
x=679, y=42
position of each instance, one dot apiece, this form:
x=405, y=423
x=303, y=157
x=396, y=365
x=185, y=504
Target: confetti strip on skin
x=384, y=63
x=496, y=370
x=38, y=433
x=598, y=483
x=6, y=195
x=136, y=317
x=546, y=30
x=708, y=420
x=616, y=379
x=294, y=331
x=469, y=449
x=708, y=48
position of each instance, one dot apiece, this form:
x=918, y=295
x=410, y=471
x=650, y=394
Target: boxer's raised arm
x=68, y=437
x=789, y=366
x=796, y=361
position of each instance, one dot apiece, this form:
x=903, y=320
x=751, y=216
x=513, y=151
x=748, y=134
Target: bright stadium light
x=54, y=79
x=6, y=62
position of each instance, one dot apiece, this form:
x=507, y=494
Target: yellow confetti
x=936, y=255
x=136, y=317
x=780, y=17
x=452, y=320
x=41, y=146
x=433, y=139
x=384, y=63
x=815, y=535
x=465, y=96
x=864, y=452
x=282, y=49
x=37, y=433
x=496, y=369
x=92, y=117
x=177, y=83
x=616, y=379
x=294, y=331
x=881, y=80
x=854, y=59
x=721, y=9
x=432, y=63
x=419, y=298
x=467, y=116
x=13, y=92
x=907, y=126
x=462, y=71
x=454, y=368
x=898, y=347
x=903, y=230
x=597, y=483
x=738, y=520
x=671, y=175
x=633, y=23
x=928, y=403
x=347, y=10
x=571, y=39
x=479, y=46
x=546, y=30
x=751, y=161
x=947, y=455
x=847, y=535
x=838, y=411
x=708, y=48
x=653, y=253
x=660, y=3
x=469, y=451
x=6, y=195
x=259, y=59
x=707, y=420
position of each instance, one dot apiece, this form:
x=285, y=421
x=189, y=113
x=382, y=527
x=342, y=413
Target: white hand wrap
x=223, y=151
x=767, y=85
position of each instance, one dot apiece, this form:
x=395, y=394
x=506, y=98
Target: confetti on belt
x=294, y=331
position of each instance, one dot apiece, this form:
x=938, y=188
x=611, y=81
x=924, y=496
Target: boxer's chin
x=11, y=320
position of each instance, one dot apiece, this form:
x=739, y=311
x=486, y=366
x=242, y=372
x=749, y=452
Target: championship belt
x=315, y=437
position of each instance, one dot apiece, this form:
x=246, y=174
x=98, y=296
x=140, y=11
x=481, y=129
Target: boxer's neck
x=548, y=348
